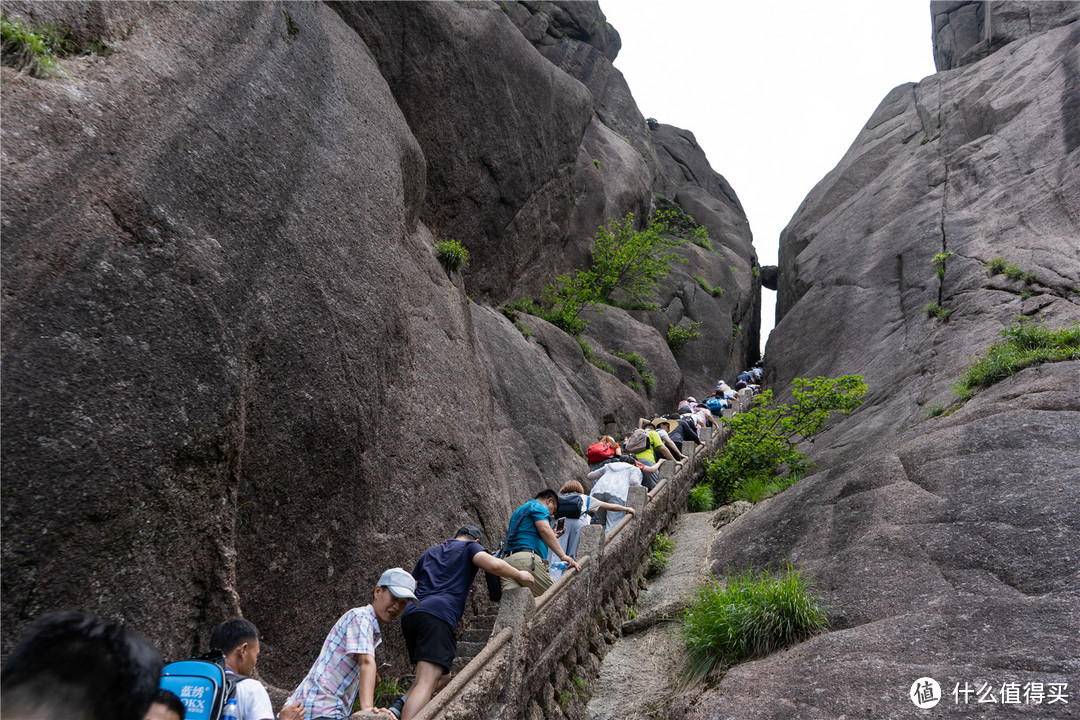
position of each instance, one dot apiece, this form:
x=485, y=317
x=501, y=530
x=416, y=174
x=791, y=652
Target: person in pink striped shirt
x=345, y=667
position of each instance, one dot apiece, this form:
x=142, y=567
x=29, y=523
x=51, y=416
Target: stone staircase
x=473, y=639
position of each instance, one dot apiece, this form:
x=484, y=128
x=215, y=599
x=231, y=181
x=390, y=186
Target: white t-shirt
x=615, y=479
x=252, y=701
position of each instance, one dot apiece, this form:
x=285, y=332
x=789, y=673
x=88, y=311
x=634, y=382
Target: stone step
x=475, y=634
x=470, y=649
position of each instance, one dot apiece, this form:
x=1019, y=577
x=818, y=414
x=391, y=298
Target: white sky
x=775, y=92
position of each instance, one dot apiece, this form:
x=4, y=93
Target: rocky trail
x=638, y=676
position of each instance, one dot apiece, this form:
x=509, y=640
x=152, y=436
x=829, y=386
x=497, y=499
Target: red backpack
x=598, y=452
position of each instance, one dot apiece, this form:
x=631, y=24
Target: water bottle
x=231, y=711
x=558, y=565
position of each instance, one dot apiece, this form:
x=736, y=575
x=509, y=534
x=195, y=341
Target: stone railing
x=543, y=651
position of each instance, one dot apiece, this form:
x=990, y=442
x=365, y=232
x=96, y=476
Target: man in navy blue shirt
x=444, y=576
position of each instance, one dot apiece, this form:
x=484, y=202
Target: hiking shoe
x=397, y=706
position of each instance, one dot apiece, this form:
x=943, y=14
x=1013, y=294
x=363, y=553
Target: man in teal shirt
x=530, y=538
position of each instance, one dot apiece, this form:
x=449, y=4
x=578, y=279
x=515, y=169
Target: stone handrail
x=538, y=644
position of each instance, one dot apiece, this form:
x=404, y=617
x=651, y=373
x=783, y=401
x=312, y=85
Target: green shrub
x=387, y=691
x=590, y=355
x=996, y=266
x=700, y=237
x=1013, y=271
x=933, y=410
x=627, y=267
x=704, y=284
x=757, y=489
x=701, y=498
x=735, y=330
x=31, y=49
x=763, y=440
x=935, y=311
x=659, y=551
x=749, y=616
x=938, y=261
x=452, y=255
x=647, y=379
x=679, y=335
x=1024, y=345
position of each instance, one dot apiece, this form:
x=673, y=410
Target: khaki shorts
x=533, y=563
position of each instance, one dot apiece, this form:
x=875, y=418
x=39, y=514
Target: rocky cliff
x=236, y=378
x=944, y=542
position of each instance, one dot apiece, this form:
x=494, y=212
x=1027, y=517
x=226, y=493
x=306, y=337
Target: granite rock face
x=235, y=374
x=966, y=31
x=945, y=543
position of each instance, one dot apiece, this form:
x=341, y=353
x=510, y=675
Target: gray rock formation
x=236, y=378
x=945, y=545
x=966, y=31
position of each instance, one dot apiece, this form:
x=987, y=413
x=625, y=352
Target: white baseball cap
x=400, y=583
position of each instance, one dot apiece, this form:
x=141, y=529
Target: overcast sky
x=775, y=92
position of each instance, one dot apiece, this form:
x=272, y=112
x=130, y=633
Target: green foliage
x=1024, y=345
x=679, y=335
x=704, y=285
x=701, y=498
x=524, y=330
x=633, y=262
x=757, y=271
x=452, y=255
x=590, y=355
x=596, y=162
x=678, y=221
x=933, y=310
x=925, y=139
x=387, y=691
x=933, y=410
x=659, y=551
x=749, y=616
x=565, y=697
x=764, y=439
x=939, y=261
x=757, y=489
x=735, y=330
x=31, y=49
x=647, y=379
x=627, y=266
x=700, y=237
x=1012, y=271
x=581, y=685
x=1025, y=294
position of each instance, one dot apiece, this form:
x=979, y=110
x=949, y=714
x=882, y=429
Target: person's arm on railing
x=549, y=538
x=612, y=507
x=496, y=566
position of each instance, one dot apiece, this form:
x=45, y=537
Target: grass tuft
x=702, y=498
x=749, y=616
x=452, y=255
x=716, y=291
x=659, y=552
x=1024, y=344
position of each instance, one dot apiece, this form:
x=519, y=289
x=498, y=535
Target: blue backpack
x=201, y=684
x=714, y=405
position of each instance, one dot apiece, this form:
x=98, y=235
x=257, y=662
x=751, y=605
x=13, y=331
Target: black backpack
x=569, y=506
